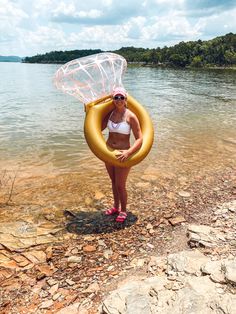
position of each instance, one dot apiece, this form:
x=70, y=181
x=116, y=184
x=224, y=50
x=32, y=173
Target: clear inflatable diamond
x=92, y=77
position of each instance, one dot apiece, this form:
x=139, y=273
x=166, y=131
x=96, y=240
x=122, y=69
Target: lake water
x=193, y=111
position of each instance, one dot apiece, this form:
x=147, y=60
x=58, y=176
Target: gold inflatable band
x=96, y=112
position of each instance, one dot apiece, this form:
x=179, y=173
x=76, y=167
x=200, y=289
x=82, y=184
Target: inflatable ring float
x=91, y=80
x=96, y=112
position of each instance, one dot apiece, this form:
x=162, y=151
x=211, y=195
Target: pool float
x=92, y=79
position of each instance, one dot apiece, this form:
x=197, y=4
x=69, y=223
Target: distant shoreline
x=144, y=64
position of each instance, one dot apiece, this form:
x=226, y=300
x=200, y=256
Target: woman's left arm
x=135, y=126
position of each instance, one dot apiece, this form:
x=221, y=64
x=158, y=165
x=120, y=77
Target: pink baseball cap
x=119, y=91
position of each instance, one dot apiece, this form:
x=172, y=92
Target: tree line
x=220, y=51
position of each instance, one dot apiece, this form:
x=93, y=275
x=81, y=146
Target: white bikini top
x=122, y=127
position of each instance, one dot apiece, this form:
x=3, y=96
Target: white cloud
x=217, y=24
x=107, y=3
x=171, y=27
x=30, y=27
x=11, y=13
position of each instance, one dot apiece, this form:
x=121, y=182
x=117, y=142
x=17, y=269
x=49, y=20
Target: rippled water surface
x=193, y=111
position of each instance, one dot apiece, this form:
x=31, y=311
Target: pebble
x=184, y=193
x=176, y=220
x=74, y=259
x=46, y=304
x=70, y=282
x=151, y=246
x=89, y=248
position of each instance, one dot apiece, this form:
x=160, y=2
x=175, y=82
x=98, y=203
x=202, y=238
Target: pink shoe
x=112, y=211
x=121, y=217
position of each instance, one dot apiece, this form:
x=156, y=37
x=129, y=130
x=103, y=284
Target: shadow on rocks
x=95, y=222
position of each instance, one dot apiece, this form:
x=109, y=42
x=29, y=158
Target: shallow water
x=193, y=111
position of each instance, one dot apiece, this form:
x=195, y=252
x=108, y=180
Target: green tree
x=197, y=62
x=230, y=57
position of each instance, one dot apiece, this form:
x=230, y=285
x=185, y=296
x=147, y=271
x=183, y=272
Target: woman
x=120, y=122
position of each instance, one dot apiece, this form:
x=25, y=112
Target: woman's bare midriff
x=118, y=141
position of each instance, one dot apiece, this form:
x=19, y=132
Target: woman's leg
x=111, y=172
x=121, y=175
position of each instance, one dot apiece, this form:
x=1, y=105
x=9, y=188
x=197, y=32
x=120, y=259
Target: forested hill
x=10, y=59
x=220, y=51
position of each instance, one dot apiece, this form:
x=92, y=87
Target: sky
x=30, y=27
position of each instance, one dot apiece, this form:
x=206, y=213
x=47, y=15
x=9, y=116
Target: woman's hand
x=122, y=155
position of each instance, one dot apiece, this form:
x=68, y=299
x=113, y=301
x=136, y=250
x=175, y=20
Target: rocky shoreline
x=82, y=258
x=199, y=280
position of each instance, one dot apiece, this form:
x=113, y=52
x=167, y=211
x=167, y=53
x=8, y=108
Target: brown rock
x=49, y=253
x=21, y=260
x=5, y=274
x=10, y=264
x=46, y=304
x=177, y=220
x=36, y=257
x=114, y=272
x=94, y=287
x=89, y=248
x=46, y=270
x=53, y=289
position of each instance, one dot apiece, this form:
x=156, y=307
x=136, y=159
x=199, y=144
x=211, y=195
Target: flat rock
x=157, y=294
x=89, y=248
x=176, y=220
x=204, y=236
x=188, y=262
x=36, y=257
x=230, y=271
